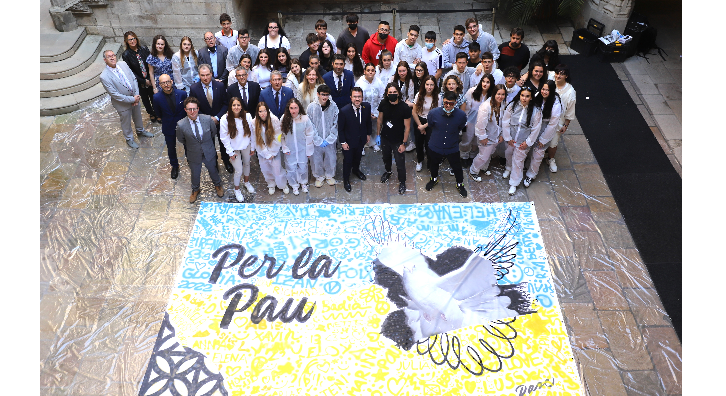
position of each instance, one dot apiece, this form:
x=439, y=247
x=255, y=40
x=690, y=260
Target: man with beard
x=513, y=52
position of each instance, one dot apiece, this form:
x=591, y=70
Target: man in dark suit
x=196, y=132
x=340, y=81
x=212, y=102
x=216, y=55
x=276, y=96
x=169, y=108
x=248, y=91
x=354, y=132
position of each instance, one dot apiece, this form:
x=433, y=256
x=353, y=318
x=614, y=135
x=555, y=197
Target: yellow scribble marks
x=201, y=334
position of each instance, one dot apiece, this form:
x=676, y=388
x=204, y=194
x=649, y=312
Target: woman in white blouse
x=475, y=96
x=385, y=70
x=275, y=37
x=488, y=131
x=260, y=73
x=235, y=131
x=184, y=64
x=294, y=77
x=373, y=89
x=426, y=99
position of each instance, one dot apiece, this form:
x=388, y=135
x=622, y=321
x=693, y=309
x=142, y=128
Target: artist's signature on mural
x=523, y=390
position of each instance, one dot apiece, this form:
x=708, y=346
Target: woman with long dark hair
x=404, y=79
x=353, y=61
x=260, y=73
x=283, y=62
x=298, y=132
x=294, y=77
x=135, y=57
x=373, y=90
x=548, y=101
x=326, y=55
x=426, y=99
x=549, y=55
x=267, y=142
x=536, y=76
x=475, y=96
x=275, y=37
x=245, y=61
x=159, y=61
x=521, y=123
x=419, y=73
x=236, y=136
x=488, y=131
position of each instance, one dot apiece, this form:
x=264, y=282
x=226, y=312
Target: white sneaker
x=304, y=188
x=238, y=195
x=419, y=166
x=411, y=146
x=475, y=177
x=553, y=165
x=286, y=190
x=249, y=188
x=295, y=191
x=512, y=190
x=330, y=181
x=318, y=183
x=364, y=152
x=488, y=172
x=506, y=173
x=271, y=190
x=527, y=181
x=376, y=148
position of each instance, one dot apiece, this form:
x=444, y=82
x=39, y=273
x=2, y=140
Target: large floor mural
x=325, y=299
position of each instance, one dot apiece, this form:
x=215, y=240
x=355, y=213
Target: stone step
x=82, y=80
x=57, y=46
x=84, y=56
x=68, y=103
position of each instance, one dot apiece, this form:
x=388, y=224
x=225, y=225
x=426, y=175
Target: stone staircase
x=70, y=69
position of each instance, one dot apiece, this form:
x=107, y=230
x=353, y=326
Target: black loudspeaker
x=585, y=40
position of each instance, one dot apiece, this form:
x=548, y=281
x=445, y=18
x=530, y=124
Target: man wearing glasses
x=121, y=85
x=169, y=107
x=446, y=124
x=243, y=47
x=197, y=133
x=377, y=43
x=215, y=55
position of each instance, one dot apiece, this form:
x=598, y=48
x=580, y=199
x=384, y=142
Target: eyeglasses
x=384, y=30
x=449, y=103
x=131, y=39
x=526, y=88
x=192, y=110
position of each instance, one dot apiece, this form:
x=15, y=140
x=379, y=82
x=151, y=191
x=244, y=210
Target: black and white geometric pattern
x=175, y=370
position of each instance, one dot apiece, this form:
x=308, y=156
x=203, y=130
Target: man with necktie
x=120, y=83
x=354, y=132
x=197, y=132
x=276, y=96
x=248, y=91
x=212, y=97
x=340, y=81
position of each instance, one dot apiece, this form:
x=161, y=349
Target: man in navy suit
x=354, y=132
x=215, y=55
x=169, y=107
x=276, y=96
x=248, y=91
x=340, y=81
x=212, y=102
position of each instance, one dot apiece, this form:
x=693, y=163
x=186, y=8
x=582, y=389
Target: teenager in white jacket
x=521, y=123
x=298, y=133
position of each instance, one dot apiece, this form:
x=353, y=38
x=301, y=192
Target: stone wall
x=147, y=18
x=613, y=14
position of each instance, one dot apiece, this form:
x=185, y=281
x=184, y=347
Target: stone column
x=613, y=14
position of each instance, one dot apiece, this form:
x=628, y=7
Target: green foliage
x=523, y=12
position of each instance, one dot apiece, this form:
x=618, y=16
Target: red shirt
x=372, y=48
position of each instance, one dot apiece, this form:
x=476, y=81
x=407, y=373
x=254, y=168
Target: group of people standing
x=461, y=103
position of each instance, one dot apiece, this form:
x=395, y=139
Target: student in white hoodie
x=568, y=99
x=385, y=68
x=235, y=132
x=373, y=90
x=521, y=124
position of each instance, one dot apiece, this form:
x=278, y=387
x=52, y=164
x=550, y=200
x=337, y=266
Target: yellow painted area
x=340, y=350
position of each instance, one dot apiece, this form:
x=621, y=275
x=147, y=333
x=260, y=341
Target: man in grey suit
x=120, y=83
x=197, y=133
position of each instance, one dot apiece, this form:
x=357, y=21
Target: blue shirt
x=445, y=130
x=213, y=60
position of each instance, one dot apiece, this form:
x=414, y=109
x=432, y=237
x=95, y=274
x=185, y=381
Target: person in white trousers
x=488, y=131
x=298, y=133
x=323, y=113
x=235, y=132
x=548, y=101
x=521, y=123
x=268, y=142
x=568, y=99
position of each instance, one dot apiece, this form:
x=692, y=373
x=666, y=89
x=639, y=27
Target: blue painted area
x=343, y=232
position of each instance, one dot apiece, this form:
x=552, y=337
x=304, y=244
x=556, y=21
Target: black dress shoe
x=229, y=167
x=360, y=175
x=346, y=185
x=385, y=177
x=402, y=188
x=174, y=172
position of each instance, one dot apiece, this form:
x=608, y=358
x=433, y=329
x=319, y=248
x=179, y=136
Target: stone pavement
x=114, y=228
